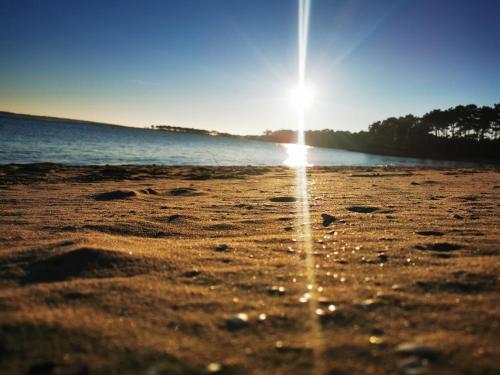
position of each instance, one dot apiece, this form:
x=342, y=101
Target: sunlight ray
x=303, y=216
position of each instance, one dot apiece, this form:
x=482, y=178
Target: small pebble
x=382, y=258
x=328, y=219
x=192, y=273
x=222, y=248
x=236, y=322
x=325, y=316
x=276, y=291
x=376, y=340
x=305, y=298
x=214, y=368
x=367, y=303
x=417, y=350
x=412, y=366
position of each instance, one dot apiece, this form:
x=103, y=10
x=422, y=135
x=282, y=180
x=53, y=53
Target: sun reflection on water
x=296, y=155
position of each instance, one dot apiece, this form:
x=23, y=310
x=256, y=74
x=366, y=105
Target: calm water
x=29, y=141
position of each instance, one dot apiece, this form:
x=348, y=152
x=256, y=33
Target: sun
x=302, y=97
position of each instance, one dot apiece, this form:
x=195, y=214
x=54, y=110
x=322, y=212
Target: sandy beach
x=144, y=270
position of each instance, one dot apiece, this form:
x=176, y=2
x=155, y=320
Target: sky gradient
x=229, y=65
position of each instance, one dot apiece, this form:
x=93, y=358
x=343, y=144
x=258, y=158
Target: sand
x=143, y=270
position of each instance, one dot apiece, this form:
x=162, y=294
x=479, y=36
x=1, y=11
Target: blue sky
x=229, y=64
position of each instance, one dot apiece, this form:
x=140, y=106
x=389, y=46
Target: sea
x=77, y=143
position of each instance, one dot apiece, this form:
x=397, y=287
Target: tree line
x=469, y=122
x=181, y=129
x=461, y=132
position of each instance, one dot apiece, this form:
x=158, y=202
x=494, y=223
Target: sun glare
x=296, y=155
x=302, y=97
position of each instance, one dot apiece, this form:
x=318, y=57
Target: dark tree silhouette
x=461, y=132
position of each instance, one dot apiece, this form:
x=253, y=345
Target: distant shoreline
x=156, y=128
x=62, y=119
x=363, y=148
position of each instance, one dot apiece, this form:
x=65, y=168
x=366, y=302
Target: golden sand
x=135, y=269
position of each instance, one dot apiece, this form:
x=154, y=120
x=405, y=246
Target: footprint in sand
x=243, y=205
x=439, y=246
x=87, y=262
x=470, y=198
x=185, y=192
x=176, y=218
x=283, y=199
x=363, y=209
x=149, y=191
x=143, y=229
x=284, y=219
x=430, y=233
x=222, y=227
x=115, y=194
x=461, y=282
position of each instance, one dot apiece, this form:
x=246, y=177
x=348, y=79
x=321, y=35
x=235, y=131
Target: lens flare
x=303, y=99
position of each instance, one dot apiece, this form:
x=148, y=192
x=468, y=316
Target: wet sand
x=143, y=270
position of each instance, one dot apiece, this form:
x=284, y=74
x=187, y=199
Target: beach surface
x=144, y=270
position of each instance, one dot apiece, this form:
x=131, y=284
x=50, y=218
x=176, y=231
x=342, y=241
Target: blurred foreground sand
x=135, y=269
